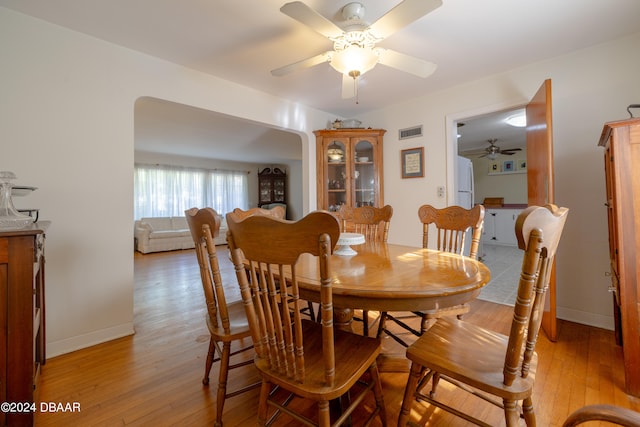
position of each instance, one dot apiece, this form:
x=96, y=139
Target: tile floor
x=505, y=263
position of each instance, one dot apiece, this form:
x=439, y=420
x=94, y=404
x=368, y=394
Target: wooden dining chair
x=276, y=212
x=308, y=359
x=484, y=362
x=451, y=225
x=370, y=221
x=610, y=413
x=226, y=322
x=374, y=224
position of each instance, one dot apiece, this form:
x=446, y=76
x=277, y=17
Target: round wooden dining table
x=388, y=277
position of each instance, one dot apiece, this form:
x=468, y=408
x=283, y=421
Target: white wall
x=67, y=120
x=510, y=186
x=590, y=87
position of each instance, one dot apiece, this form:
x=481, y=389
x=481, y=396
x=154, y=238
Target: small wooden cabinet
x=22, y=319
x=349, y=167
x=621, y=142
x=272, y=186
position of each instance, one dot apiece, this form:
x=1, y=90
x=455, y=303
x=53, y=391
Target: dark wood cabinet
x=621, y=141
x=272, y=186
x=22, y=320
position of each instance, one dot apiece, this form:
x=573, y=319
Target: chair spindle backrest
x=451, y=224
x=368, y=220
x=204, y=224
x=265, y=250
x=538, y=230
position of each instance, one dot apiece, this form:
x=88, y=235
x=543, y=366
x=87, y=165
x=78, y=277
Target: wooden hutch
x=22, y=320
x=621, y=141
x=349, y=167
x=272, y=186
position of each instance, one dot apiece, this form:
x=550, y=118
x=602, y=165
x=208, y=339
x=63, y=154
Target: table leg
x=342, y=318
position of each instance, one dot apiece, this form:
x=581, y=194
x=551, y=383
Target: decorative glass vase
x=10, y=218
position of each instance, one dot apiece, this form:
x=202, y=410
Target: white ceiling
x=242, y=40
x=170, y=128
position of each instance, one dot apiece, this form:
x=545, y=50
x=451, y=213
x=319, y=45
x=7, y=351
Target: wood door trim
x=540, y=179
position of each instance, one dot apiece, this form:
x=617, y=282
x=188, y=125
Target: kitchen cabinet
x=22, y=320
x=349, y=168
x=272, y=186
x=499, y=226
x=621, y=142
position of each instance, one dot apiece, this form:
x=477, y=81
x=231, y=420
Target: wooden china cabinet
x=349, y=167
x=621, y=141
x=22, y=321
x=272, y=185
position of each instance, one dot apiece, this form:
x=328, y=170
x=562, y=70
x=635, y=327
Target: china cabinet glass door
x=364, y=174
x=338, y=174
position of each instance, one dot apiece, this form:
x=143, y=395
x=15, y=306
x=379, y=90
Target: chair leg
x=324, y=415
x=409, y=391
x=209, y=362
x=265, y=390
x=222, y=382
x=426, y=324
x=434, y=383
x=312, y=314
x=381, y=323
x=511, y=413
x=527, y=410
x=377, y=392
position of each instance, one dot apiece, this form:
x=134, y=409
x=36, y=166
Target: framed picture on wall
x=494, y=167
x=412, y=162
x=508, y=166
x=521, y=164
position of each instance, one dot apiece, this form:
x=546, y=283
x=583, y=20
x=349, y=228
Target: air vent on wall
x=410, y=132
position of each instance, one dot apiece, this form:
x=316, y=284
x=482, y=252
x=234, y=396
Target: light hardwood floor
x=154, y=377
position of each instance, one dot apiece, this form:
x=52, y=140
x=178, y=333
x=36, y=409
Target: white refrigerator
x=464, y=195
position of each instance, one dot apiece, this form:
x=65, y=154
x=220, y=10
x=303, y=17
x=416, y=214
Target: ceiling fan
x=354, y=52
x=493, y=150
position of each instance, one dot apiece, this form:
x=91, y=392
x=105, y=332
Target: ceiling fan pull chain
x=355, y=88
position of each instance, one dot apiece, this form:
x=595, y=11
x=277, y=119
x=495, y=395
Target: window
x=161, y=190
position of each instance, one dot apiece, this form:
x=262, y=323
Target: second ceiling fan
x=493, y=150
x=354, y=42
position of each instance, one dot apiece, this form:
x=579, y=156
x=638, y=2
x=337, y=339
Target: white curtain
x=161, y=190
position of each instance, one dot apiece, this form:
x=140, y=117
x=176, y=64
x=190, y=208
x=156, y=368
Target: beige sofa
x=157, y=234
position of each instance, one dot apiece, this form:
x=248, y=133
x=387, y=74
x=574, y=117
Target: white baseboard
x=56, y=348
x=585, y=318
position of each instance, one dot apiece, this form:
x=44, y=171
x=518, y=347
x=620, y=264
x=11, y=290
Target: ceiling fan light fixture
x=492, y=156
x=354, y=60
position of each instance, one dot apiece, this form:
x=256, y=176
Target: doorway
x=497, y=150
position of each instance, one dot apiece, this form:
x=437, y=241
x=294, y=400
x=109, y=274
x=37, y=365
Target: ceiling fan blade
x=402, y=15
x=508, y=150
x=309, y=17
x=305, y=63
x=406, y=63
